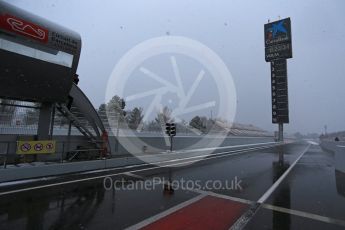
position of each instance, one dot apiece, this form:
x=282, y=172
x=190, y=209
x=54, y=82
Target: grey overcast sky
x=232, y=29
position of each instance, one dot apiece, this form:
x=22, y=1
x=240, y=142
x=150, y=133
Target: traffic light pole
x=171, y=143
x=117, y=133
x=281, y=132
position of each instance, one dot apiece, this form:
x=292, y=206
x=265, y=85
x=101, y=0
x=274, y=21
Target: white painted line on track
x=199, y=191
x=277, y=208
x=165, y=213
x=20, y=182
x=305, y=214
x=211, y=156
x=134, y=175
x=209, y=193
x=313, y=143
x=220, y=147
x=264, y=197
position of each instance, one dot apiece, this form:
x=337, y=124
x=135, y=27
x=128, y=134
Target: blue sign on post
x=278, y=40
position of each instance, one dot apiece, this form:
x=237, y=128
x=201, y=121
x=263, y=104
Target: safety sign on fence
x=36, y=147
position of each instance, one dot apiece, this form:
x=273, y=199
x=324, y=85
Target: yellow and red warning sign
x=36, y=147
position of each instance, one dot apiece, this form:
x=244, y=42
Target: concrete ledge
x=13, y=174
x=30, y=172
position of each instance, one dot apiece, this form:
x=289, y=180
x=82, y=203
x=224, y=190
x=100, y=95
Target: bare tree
x=164, y=116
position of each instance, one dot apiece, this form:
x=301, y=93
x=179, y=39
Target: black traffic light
x=167, y=128
x=173, y=129
x=123, y=104
x=170, y=129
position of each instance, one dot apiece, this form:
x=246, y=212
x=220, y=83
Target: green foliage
x=113, y=110
x=135, y=117
x=199, y=123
